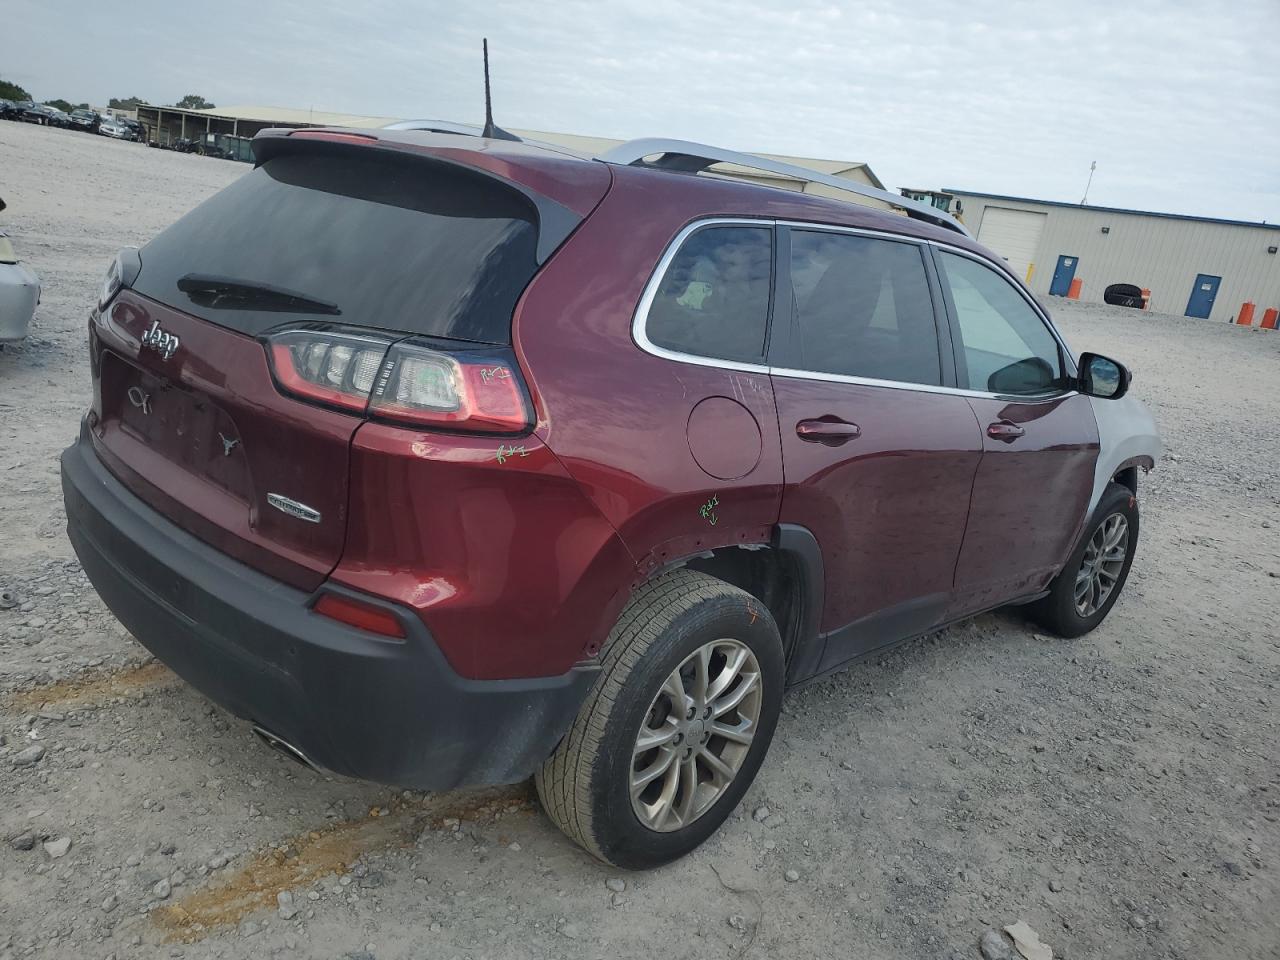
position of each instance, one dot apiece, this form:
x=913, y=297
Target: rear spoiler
x=555, y=220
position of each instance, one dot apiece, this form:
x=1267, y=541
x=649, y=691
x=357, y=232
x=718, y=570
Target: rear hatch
x=232, y=370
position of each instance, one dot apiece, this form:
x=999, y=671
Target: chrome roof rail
x=689, y=157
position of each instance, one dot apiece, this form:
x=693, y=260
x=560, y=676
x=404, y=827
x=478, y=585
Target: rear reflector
x=364, y=616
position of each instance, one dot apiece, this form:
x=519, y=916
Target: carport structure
x=166, y=124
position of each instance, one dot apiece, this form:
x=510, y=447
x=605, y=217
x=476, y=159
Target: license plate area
x=184, y=426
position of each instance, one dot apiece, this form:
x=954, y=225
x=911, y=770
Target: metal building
x=164, y=125
x=1195, y=266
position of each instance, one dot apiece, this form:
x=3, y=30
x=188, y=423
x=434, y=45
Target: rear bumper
x=378, y=709
x=19, y=294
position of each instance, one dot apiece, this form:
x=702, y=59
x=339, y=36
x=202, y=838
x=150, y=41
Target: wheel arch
x=785, y=573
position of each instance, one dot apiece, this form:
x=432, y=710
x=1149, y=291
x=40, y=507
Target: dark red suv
x=446, y=460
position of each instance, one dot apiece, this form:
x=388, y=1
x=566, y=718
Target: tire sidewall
x=1116, y=499
x=619, y=833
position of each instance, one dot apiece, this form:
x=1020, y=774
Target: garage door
x=1014, y=234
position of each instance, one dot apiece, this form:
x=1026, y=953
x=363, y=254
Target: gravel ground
x=1118, y=793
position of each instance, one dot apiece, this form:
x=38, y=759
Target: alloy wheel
x=1101, y=565
x=695, y=735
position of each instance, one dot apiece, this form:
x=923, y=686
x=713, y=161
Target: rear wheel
x=1082, y=595
x=676, y=727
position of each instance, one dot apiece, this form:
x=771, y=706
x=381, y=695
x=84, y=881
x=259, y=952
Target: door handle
x=1005, y=430
x=829, y=430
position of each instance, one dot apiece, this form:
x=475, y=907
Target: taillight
x=122, y=272
x=472, y=390
x=416, y=382
x=330, y=367
x=355, y=613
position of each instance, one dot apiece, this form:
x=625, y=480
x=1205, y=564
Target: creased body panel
x=1127, y=436
x=1030, y=498
x=490, y=542
x=622, y=420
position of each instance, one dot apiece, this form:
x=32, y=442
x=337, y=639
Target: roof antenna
x=491, y=129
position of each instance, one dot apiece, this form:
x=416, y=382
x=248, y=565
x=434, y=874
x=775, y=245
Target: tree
x=193, y=101
x=11, y=91
x=63, y=105
x=127, y=103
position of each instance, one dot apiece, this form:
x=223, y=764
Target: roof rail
x=689, y=157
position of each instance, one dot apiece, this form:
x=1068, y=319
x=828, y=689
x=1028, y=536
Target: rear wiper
x=224, y=293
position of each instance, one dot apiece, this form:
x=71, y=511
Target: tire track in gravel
x=309, y=856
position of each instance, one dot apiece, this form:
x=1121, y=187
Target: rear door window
x=862, y=308
x=382, y=242
x=713, y=300
x=1002, y=344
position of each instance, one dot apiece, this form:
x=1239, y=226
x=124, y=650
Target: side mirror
x=1103, y=377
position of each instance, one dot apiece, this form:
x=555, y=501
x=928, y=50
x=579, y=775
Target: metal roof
x=587, y=146
x=1136, y=213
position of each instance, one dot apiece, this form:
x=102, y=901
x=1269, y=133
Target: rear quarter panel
x=618, y=417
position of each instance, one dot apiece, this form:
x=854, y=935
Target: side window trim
x=784, y=359
x=641, y=319
x=780, y=334
x=1070, y=370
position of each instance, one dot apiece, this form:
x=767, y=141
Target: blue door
x=1202, y=296
x=1063, y=275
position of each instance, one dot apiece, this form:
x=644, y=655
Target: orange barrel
x=1146, y=299
x=1074, y=292
x=1269, y=318
x=1245, y=316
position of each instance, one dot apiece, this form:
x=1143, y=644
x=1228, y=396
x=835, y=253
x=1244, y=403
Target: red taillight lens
x=478, y=391
x=365, y=616
x=338, y=369
x=407, y=381
x=361, y=138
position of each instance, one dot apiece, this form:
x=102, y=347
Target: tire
x=586, y=785
x=1060, y=611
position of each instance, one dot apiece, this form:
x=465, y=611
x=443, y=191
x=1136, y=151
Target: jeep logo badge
x=162, y=343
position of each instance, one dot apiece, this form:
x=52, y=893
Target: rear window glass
x=375, y=242
x=714, y=298
x=863, y=308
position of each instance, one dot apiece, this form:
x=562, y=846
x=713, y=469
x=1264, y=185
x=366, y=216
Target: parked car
x=137, y=131
x=59, y=118
x=582, y=476
x=19, y=293
x=36, y=113
x=222, y=145
x=9, y=110
x=115, y=129
x=83, y=119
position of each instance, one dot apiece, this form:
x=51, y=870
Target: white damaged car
x=19, y=293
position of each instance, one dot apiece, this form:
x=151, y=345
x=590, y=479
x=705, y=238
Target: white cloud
x=1178, y=102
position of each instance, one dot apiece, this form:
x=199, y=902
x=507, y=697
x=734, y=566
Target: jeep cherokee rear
x=450, y=461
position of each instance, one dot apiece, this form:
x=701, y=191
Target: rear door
x=358, y=243
x=1040, y=439
x=879, y=454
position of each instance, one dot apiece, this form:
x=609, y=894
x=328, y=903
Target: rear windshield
x=378, y=242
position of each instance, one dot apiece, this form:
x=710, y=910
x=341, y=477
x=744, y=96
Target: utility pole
x=1092, y=167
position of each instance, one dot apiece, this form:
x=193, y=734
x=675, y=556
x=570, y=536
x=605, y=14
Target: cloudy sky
x=1178, y=102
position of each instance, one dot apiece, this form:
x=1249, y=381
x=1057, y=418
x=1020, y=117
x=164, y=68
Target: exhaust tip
x=284, y=746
